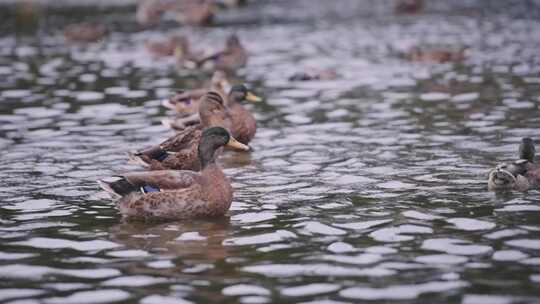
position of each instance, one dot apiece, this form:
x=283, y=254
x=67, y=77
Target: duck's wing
x=151, y=181
x=183, y=139
x=163, y=179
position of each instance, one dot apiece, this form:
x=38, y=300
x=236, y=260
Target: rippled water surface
x=371, y=187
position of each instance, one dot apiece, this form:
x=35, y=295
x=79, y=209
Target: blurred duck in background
x=520, y=175
x=86, y=32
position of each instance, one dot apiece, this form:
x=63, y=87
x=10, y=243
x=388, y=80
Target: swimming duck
x=195, y=12
x=186, y=102
x=439, y=55
x=85, y=32
x=233, y=57
x=180, y=151
x=172, y=194
x=521, y=175
x=243, y=124
x=168, y=47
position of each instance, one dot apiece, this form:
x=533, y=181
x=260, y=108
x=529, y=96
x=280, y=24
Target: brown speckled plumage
x=184, y=194
x=178, y=194
x=244, y=124
x=182, y=147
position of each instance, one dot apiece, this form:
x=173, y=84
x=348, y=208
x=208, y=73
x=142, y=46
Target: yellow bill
x=178, y=52
x=235, y=144
x=252, y=97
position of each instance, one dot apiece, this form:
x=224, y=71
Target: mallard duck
x=439, y=55
x=85, y=32
x=186, y=102
x=171, y=194
x=243, y=124
x=149, y=11
x=180, y=151
x=233, y=57
x=521, y=175
x=168, y=47
x=195, y=12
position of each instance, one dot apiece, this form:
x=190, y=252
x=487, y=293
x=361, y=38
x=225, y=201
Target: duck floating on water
x=437, y=55
x=180, y=151
x=186, y=102
x=521, y=175
x=243, y=123
x=85, y=32
x=172, y=194
x=234, y=56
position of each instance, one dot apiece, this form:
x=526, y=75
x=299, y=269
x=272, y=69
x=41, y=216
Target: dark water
x=371, y=187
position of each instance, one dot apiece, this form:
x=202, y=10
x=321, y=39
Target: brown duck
x=85, y=32
x=195, y=12
x=186, y=102
x=521, y=175
x=243, y=124
x=180, y=151
x=168, y=47
x=438, y=55
x=233, y=57
x=171, y=194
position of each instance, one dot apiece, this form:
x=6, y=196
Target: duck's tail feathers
x=173, y=124
x=167, y=122
x=168, y=104
x=117, y=186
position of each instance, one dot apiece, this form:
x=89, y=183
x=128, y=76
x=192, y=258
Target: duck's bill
x=252, y=97
x=178, y=52
x=235, y=144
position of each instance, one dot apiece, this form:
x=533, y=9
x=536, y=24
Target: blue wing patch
x=147, y=189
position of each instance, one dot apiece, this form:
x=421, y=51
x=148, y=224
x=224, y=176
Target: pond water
x=371, y=187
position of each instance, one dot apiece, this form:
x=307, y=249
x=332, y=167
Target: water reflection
x=200, y=241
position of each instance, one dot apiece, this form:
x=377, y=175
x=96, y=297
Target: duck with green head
x=180, y=151
x=173, y=194
x=521, y=175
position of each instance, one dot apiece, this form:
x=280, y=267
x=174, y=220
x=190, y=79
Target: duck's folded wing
x=183, y=139
x=162, y=179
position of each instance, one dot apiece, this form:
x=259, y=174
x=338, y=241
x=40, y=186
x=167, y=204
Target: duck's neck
x=207, y=153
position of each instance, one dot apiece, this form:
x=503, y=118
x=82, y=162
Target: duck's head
x=212, y=111
x=527, y=150
x=214, y=138
x=240, y=92
x=233, y=41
